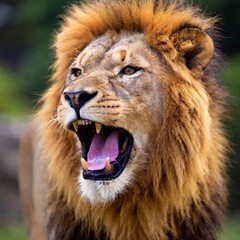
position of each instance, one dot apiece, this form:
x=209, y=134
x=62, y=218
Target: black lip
x=85, y=134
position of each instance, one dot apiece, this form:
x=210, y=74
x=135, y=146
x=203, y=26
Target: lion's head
x=114, y=100
x=134, y=106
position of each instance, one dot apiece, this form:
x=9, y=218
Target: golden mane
x=189, y=175
x=157, y=20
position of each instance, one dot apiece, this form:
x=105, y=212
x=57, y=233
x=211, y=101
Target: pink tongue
x=101, y=148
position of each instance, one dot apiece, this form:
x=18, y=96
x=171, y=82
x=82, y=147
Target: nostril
x=67, y=97
x=85, y=96
x=78, y=99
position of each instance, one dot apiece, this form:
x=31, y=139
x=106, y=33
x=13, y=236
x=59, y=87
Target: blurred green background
x=26, y=29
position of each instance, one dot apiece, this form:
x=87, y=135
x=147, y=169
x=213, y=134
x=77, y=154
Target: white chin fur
x=103, y=191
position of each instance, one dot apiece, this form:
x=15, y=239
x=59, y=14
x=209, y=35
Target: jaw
x=98, y=185
x=101, y=192
x=106, y=191
x=102, y=189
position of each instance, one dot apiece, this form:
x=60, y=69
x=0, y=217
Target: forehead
x=115, y=48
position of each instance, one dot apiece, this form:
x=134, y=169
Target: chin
x=103, y=191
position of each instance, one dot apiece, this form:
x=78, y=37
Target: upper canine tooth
x=75, y=125
x=98, y=127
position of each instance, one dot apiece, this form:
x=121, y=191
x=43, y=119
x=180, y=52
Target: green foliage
x=39, y=19
x=231, y=230
x=26, y=42
x=12, y=102
x=12, y=233
x=228, y=12
x=231, y=78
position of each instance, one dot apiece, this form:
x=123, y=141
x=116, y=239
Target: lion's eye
x=75, y=73
x=129, y=70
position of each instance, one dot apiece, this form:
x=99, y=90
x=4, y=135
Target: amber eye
x=129, y=70
x=75, y=72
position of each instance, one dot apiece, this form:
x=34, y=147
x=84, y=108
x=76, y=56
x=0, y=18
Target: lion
x=128, y=142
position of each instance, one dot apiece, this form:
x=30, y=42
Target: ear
x=195, y=47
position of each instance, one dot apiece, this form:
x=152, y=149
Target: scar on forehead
x=123, y=54
x=80, y=57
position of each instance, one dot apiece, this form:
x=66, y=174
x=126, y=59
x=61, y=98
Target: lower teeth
x=124, y=145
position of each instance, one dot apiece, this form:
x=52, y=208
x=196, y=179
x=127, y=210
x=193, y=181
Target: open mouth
x=105, y=150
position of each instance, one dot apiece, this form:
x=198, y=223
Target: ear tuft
x=194, y=47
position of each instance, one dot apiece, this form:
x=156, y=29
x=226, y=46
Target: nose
x=78, y=99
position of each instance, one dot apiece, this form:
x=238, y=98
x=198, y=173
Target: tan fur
x=175, y=177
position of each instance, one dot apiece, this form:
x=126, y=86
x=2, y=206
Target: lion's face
x=112, y=100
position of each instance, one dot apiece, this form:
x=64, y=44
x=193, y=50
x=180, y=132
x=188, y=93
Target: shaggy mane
x=84, y=23
x=188, y=177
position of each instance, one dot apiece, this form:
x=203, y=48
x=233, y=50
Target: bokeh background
x=26, y=30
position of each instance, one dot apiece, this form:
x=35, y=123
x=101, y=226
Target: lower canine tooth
x=108, y=166
x=84, y=164
x=98, y=127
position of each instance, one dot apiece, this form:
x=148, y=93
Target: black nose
x=78, y=99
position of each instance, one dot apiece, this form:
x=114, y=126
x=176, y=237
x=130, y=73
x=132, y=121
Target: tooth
x=75, y=125
x=108, y=166
x=98, y=127
x=84, y=164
